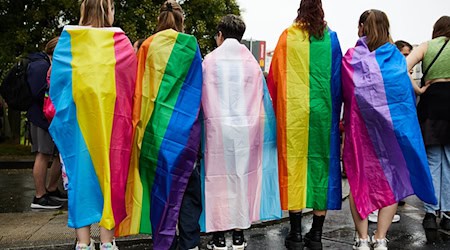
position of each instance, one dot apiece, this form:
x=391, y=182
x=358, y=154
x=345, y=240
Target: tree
x=27, y=25
x=202, y=17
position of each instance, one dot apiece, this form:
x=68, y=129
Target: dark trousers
x=191, y=208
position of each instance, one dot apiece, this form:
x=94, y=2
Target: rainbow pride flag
x=92, y=85
x=166, y=134
x=384, y=154
x=240, y=170
x=305, y=85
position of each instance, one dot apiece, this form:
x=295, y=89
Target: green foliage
x=27, y=25
x=202, y=17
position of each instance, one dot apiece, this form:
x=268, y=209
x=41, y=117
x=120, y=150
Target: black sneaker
x=57, y=195
x=217, y=242
x=445, y=223
x=239, y=242
x=45, y=202
x=429, y=221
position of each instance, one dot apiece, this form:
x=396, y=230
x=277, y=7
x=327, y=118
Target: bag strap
x=422, y=81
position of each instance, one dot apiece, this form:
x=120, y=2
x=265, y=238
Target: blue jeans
x=191, y=208
x=439, y=161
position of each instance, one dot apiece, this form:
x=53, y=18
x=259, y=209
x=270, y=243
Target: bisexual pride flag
x=92, y=87
x=166, y=134
x=384, y=154
x=305, y=84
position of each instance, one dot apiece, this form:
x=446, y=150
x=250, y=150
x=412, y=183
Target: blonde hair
x=376, y=29
x=96, y=13
x=171, y=16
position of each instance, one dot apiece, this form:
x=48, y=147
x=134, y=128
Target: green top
x=440, y=68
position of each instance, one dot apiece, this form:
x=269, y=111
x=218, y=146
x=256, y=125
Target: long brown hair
x=376, y=29
x=171, y=16
x=96, y=13
x=442, y=27
x=310, y=16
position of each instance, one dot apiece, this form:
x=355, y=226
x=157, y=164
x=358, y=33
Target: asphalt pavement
x=24, y=228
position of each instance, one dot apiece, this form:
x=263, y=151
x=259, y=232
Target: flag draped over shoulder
x=239, y=171
x=305, y=84
x=166, y=134
x=92, y=85
x=384, y=154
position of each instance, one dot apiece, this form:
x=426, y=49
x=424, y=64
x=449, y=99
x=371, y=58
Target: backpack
x=15, y=89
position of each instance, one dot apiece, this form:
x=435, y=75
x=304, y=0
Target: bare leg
x=84, y=235
x=40, y=173
x=55, y=174
x=361, y=225
x=106, y=236
x=385, y=220
x=320, y=212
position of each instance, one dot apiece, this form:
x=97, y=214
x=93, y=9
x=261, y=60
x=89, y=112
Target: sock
x=295, y=220
x=317, y=224
x=238, y=233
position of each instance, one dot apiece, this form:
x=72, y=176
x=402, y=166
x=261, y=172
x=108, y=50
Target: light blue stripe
x=270, y=192
x=85, y=197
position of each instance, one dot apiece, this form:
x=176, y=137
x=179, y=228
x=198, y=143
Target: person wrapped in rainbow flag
x=305, y=84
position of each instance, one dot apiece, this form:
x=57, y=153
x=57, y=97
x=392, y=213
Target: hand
x=421, y=90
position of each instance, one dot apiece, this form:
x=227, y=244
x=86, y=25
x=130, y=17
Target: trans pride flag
x=92, y=86
x=239, y=174
x=305, y=84
x=166, y=134
x=384, y=154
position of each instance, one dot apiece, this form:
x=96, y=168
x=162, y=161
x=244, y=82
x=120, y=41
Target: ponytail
x=376, y=29
x=171, y=16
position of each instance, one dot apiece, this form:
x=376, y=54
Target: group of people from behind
x=266, y=147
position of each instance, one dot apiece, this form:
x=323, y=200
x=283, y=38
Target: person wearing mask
x=384, y=154
x=434, y=117
x=305, y=85
x=240, y=140
x=92, y=86
x=46, y=197
x=404, y=47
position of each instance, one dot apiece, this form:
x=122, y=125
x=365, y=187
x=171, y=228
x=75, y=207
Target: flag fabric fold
x=305, y=84
x=239, y=170
x=92, y=85
x=384, y=153
x=166, y=134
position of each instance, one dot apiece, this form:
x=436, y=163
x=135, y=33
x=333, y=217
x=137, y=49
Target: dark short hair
x=400, y=44
x=231, y=26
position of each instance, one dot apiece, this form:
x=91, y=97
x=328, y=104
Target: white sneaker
x=195, y=248
x=373, y=217
x=82, y=246
x=361, y=244
x=109, y=246
x=379, y=244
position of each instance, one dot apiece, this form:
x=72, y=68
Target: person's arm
x=414, y=58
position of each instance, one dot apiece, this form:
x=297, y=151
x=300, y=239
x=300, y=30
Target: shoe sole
x=58, y=199
x=313, y=245
x=294, y=245
x=37, y=206
x=239, y=247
